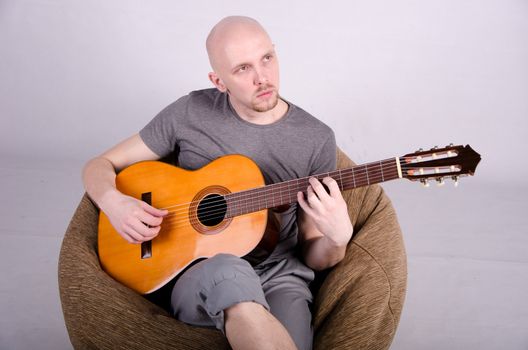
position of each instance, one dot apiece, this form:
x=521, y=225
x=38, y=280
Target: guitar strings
x=264, y=191
x=287, y=183
x=220, y=212
x=351, y=172
x=242, y=200
x=245, y=195
x=239, y=203
x=219, y=209
x=179, y=222
x=213, y=215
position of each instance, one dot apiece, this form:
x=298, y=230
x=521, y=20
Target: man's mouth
x=265, y=93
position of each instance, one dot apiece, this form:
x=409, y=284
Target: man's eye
x=243, y=69
x=267, y=58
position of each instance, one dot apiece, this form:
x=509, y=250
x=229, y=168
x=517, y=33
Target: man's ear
x=217, y=82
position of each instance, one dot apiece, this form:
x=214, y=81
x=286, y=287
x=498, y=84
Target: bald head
x=245, y=66
x=228, y=34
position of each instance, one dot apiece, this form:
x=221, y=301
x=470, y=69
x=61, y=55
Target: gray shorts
x=202, y=293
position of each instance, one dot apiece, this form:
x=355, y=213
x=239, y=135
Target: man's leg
x=289, y=299
x=250, y=326
x=285, y=284
x=226, y=282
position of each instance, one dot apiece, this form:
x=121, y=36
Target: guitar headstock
x=439, y=163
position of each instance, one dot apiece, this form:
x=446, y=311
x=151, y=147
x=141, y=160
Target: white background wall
x=388, y=76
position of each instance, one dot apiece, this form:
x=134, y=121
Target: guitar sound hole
x=212, y=210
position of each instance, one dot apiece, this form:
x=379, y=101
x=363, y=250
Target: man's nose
x=260, y=77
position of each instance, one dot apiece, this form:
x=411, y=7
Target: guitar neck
x=284, y=193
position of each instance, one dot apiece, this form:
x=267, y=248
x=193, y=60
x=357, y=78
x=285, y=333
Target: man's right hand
x=135, y=220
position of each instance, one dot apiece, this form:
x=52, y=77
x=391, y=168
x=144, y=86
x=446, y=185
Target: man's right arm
x=128, y=215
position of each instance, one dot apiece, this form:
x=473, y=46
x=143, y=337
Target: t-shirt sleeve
x=160, y=134
x=326, y=157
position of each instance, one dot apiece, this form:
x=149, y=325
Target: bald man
x=266, y=306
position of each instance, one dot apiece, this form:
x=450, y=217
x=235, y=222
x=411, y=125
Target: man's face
x=248, y=70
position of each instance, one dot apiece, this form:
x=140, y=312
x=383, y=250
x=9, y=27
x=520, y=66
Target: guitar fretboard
x=284, y=193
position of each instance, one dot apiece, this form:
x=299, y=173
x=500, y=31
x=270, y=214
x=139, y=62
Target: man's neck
x=263, y=118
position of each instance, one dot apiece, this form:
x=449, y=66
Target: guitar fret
x=293, y=183
x=297, y=184
x=238, y=205
x=246, y=201
x=288, y=191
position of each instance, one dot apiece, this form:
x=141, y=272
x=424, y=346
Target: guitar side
x=182, y=238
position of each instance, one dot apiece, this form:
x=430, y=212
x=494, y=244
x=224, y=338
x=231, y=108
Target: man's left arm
x=324, y=225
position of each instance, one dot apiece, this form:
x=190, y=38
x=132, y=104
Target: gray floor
x=467, y=252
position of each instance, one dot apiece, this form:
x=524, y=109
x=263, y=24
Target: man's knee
x=228, y=260
x=214, y=285
x=222, y=267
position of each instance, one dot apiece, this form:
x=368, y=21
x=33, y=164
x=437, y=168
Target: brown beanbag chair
x=357, y=306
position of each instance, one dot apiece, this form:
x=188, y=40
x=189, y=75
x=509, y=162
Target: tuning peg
x=455, y=179
x=440, y=181
x=450, y=153
x=424, y=182
x=434, y=154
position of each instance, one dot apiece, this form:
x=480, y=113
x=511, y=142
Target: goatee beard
x=267, y=106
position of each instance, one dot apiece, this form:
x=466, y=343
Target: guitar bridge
x=146, y=247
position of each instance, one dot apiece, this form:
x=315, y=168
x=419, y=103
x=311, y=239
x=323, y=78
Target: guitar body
x=186, y=235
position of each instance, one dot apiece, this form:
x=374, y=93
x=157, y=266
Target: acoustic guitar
x=224, y=208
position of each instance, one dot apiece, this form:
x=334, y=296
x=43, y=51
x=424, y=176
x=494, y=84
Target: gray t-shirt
x=203, y=126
